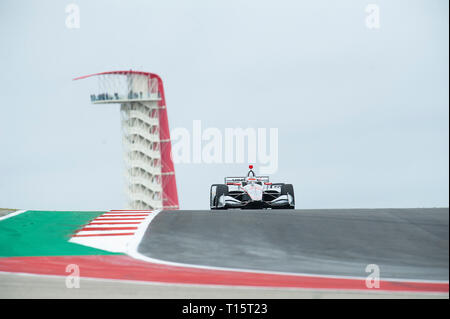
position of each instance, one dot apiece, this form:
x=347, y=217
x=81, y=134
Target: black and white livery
x=251, y=192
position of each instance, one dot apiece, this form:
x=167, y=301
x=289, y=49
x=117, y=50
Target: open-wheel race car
x=251, y=192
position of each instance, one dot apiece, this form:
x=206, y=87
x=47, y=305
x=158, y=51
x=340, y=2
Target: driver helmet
x=251, y=180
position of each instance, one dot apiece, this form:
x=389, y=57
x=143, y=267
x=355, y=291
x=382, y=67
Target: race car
x=251, y=192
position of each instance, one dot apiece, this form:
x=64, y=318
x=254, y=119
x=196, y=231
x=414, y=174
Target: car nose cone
x=254, y=191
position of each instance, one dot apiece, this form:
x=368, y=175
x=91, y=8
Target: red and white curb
x=115, y=231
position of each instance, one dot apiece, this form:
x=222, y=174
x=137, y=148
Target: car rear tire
x=220, y=189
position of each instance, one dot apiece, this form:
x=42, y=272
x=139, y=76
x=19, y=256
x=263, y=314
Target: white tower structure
x=149, y=173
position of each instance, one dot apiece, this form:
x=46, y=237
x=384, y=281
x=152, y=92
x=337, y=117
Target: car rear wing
x=232, y=180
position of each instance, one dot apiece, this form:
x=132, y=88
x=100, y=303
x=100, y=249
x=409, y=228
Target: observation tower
x=149, y=173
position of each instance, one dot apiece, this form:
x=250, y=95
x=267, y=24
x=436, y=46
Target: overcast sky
x=362, y=114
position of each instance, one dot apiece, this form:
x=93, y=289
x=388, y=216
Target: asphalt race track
x=407, y=244
x=225, y=254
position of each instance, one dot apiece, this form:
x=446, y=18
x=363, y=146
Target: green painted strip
x=45, y=233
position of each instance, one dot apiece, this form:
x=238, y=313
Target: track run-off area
x=222, y=254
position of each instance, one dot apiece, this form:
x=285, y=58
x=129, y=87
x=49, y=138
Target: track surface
x=30, y=286
x=404, y=243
